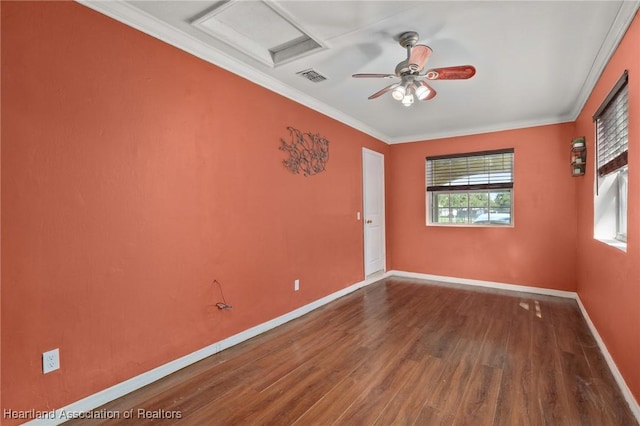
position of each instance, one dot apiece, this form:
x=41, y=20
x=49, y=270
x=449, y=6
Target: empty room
x=320, y=212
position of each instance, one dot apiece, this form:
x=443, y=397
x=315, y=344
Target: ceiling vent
x=258, y=29
x=312, y=75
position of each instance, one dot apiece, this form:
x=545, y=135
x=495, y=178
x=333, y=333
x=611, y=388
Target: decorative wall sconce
x=578, y=156
x=308, y=153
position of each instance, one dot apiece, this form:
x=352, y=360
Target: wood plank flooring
x=400, y=352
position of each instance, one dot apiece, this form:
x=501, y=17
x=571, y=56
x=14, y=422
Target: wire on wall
x=222, y=305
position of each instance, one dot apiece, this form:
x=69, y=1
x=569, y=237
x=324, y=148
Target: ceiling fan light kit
x=409, y=71
x=406, y=92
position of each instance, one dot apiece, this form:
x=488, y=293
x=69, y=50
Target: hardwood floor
x=400, y=352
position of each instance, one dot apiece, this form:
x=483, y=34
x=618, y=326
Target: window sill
x=620, y=245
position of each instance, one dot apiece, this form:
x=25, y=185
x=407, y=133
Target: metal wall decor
x=308, y=153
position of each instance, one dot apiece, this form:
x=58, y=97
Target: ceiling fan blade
x=460, y=72
x=383, y=91
x=429, y=95
x=373, y=75
x=418, y=58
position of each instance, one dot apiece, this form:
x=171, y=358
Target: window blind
x=484, y=170
x=612, y=137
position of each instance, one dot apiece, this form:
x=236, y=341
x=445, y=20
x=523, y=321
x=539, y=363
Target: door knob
x=369, y=221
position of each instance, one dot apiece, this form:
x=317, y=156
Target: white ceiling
x=536, y=61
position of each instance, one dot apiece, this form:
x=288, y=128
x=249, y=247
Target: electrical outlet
x=296, y=285
x=50, y=361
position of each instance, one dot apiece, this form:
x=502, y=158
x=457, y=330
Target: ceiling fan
x=410, y=73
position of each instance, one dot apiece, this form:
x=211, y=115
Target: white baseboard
x=100, y=398
x=116, y=391
x=490, y=284
x=626, y=392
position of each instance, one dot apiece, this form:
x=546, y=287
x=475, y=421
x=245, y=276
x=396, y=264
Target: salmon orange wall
x=608, y=278
x=538, y=251
x=133, y=175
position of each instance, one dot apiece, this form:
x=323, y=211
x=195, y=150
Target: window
x=470, y=189
x=612, y=140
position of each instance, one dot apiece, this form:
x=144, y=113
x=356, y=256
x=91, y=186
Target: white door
x=373, y=205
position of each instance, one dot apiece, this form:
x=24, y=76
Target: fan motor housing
x=402, y=68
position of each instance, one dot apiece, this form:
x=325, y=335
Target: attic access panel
x=258, y=29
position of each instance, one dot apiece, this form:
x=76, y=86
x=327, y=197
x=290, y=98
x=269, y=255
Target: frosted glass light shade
x=398, y=93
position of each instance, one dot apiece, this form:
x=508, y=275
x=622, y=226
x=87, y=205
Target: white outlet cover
x=296, y=285
x=50, y=361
